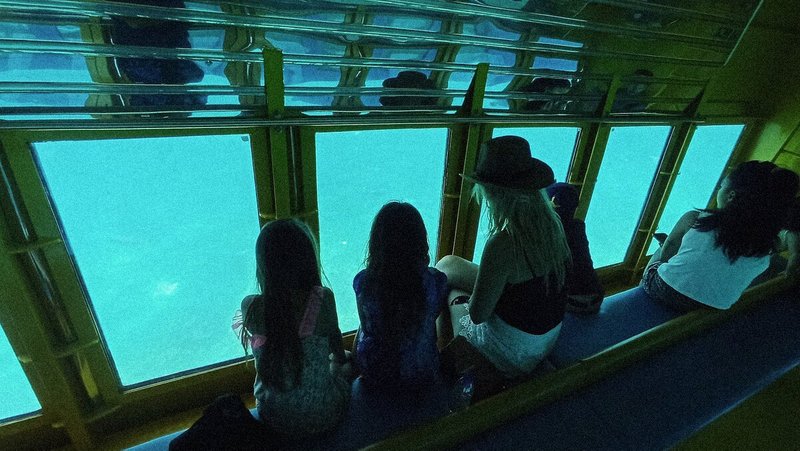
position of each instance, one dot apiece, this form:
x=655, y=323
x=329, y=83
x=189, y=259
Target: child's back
x=292, y=328
x=585, y=293
x=413, y=360
x=319, y=400
x=399, y=299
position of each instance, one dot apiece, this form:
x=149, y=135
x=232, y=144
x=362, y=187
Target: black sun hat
x=408, y=79
x=506, y=162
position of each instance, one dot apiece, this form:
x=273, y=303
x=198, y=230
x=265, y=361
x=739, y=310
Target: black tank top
x=530, y=307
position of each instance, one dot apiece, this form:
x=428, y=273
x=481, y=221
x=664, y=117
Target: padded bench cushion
x=621, y=316
x=371, y=417
x=663, y=399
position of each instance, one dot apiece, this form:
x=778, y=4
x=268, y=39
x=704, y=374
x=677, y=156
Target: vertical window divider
x=591, y=148
x=578, y=158
x=277, y=136
x=309, y=209
x=262, y=175
x=666, y=174
x=61, y=405
x=50, y=377
x=460, y=215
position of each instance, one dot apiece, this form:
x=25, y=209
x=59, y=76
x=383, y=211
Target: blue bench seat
x=621, y=316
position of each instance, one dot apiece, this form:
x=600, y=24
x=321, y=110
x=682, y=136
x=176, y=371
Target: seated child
x=712, y=255
x=292, y=328
x=399, y=299
x=584, y=292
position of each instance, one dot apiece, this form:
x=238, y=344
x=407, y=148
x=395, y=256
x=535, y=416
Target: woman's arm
x=673, y=242
x=492, y=275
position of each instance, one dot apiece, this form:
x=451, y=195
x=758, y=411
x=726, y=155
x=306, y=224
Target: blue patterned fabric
x=416, y=361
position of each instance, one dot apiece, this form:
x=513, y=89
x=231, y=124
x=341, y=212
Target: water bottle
x=461, y=396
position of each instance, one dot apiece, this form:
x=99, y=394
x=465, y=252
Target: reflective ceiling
x=65, y=59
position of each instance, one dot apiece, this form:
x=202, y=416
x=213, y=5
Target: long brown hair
x=749, y=224
x=397, y=255
x=287, y=269
x=535, y=228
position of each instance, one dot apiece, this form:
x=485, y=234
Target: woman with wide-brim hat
x=510, y=307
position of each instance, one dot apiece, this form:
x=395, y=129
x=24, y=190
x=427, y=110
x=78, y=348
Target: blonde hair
x=534, y=227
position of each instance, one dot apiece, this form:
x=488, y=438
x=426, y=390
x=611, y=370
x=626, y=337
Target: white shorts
x=512, y=351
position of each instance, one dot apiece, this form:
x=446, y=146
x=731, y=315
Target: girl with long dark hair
x=399, y=299
x=712, y=255
x=292, y=328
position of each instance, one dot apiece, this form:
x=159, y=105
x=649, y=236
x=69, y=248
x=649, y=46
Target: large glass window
x=162, y=231
x=358, y=172
x=626, y=173
x=15, y=391
x=705, y=159
x=553, y=145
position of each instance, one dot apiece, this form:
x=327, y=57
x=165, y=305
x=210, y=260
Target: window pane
x=162, y=231
x=628, y=167
x=553, y=145
x=358, y=172
x=15, y=391
x=705, y=159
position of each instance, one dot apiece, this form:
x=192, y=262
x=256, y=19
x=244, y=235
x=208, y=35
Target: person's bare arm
x=492, y=275
x=673, y=242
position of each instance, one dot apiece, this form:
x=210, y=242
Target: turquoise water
x=628, y=168
x=15, y=391
x=357, y=173
x=162, y=230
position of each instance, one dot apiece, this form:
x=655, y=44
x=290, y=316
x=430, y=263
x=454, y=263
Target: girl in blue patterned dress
x=292, y=328
x=399, y=299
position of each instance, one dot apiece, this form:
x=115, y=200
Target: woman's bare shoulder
x=500, y=242
x=248, y=301
x=498, y=251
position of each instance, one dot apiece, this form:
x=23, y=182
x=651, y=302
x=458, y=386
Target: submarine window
x=358, y=172
x=15, y=391
x=553, y=145
x=162, y=233
x=626, y=173
x=708, y=152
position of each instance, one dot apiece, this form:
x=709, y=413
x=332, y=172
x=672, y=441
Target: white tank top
x=701, y=271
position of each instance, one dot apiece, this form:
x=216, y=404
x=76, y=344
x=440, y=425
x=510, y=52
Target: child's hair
x=287, y=268
x=396, y=256
x=748, y=225
x=534, y=226
x=565, y=198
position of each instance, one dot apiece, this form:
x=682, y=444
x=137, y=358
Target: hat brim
x=538, y=176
